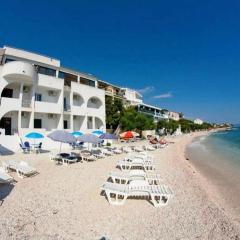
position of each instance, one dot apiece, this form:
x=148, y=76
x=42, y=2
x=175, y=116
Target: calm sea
x=217, y=156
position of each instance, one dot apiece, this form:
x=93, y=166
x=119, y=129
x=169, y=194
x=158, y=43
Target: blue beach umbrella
x=77, y=134
x=98, y=132
x=34, y=135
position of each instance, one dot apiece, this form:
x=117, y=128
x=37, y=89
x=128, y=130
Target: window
x=68, y=78
x=47, y=71
x=61, y=75
x=9, y=60
x=38, y=97
x=87, y=82
x=37, y=123
x=7, y=92
x=65, y=124
x=90, y=123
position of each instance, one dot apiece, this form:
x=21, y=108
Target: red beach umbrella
x=128, y=134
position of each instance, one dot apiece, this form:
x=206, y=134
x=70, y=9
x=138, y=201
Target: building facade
x=37, y=93
x=155, y=112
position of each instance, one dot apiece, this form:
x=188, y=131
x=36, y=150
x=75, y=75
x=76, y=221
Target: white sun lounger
x=71, y=159
x=149, y=148
x=141, y=156
x=127, y=177
x=138, y=149
x=138, y=159
x=22, y=168
x=88, y=157
x=106, y=152
x=117, y=194
x=135, y=164
x=127, y=149
x=4, y=177
x=117, y=151
x=97, y=153
x=25, y=170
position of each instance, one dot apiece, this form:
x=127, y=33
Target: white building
x=37, y=93
x=155, y=112
x=198, y=121
x=131, y=97
x=174, y=116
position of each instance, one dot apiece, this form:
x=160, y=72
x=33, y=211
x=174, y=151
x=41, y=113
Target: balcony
x=78, y=110
x=47, y=107
x=26, y=103
x=19, y=71
x=50, y=82
x=9, y=104
x=95, y=112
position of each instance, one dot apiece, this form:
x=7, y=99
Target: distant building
x=130, y=96
x=174, y=116
x=198, y=121
x=155, y=112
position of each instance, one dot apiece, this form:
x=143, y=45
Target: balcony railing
x=26, y=103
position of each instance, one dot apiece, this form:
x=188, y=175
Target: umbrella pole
x=60, y=147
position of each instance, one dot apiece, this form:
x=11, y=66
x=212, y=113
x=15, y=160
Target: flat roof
x=33, y=52
x=99, y=80
x=43, y=59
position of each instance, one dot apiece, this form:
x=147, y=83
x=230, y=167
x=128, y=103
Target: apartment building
x=132, y=97
x=37, y=93
x=129, y=96
x=155, y=112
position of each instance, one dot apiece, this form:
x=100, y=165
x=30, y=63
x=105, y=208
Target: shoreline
x=211, y=190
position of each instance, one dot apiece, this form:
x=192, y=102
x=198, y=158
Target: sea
x=217, y=157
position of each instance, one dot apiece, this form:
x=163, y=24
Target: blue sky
x=181, y=55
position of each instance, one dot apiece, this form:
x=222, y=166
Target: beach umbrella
x=77, y=134
x=34, y=135
x=98, y=132
x=89, y=138
x=127, y=134
x=108, y=136
x=62, y=137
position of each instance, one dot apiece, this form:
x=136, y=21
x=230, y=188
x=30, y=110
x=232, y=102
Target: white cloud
x=164, y=95
x=145, y=90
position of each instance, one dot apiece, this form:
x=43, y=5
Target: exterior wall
x=131, y=96
x=22, y=54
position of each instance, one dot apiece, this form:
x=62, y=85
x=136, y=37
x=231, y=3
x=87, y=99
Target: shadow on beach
x=5, y=151
x=5, y=190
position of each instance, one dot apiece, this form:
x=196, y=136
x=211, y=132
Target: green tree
x=114, y=108
x=170, y=125
x=133, y=120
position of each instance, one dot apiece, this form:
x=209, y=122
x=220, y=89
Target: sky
x=181, y=55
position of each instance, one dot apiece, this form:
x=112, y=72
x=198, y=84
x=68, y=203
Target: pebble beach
x=65, y=202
